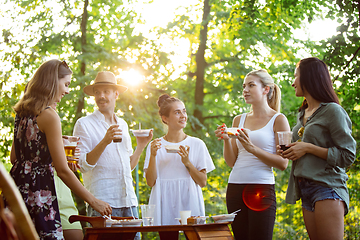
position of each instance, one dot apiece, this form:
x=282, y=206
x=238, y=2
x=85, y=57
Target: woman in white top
x=252, y=156
x=176, y=178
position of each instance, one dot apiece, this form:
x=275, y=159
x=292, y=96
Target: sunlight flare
x=131, y=77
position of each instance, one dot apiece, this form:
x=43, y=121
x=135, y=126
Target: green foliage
x=339, y=50
x=352, y=227
x=241, y=36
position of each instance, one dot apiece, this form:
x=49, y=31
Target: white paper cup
x=184, y=215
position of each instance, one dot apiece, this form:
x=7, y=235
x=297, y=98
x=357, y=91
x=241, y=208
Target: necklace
x=165, y=137
x=301, y=133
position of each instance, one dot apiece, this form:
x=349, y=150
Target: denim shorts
x=311, y=192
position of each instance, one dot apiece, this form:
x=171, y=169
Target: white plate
x=172, y=148
x=116, y=225
x=224, y=218
x=141, y=132
x=232, y=132
x=134, y=222
x=127, y=223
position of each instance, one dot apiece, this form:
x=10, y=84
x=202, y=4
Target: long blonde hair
x=42, y=88
x=274, y=94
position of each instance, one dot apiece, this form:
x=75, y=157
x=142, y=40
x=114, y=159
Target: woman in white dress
x=176, y=178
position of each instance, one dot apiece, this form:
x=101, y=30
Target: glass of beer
x=70, y=143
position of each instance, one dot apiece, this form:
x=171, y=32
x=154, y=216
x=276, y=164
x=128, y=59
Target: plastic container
x=141, y=132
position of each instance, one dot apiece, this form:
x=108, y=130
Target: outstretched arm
x=49, y=123
x=141, y=143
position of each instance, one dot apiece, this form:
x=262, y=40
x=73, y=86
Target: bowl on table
x=141, y=132
x=224, y=218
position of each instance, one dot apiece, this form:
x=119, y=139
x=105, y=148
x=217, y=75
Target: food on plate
x=196, y=220
x=232, y=132
x=172, y=148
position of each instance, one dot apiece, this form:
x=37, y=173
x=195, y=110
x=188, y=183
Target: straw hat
x=104, y=79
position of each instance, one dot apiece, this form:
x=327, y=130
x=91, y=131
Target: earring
x=270, y=93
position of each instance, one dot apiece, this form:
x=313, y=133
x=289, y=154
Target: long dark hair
x=315, y=78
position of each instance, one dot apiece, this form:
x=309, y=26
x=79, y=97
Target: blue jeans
x=311, y=192
x=117, y=212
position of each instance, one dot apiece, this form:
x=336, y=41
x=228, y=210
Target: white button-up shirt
x=110, y=178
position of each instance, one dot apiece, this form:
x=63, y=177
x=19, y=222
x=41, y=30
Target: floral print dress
x=34, y=176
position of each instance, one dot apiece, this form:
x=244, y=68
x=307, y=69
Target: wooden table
x=210, y=231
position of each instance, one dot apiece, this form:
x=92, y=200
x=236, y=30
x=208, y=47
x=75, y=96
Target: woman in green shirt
x=321, y=151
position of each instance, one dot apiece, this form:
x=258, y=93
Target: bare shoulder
x=281, y=118
x=236, y=120
x=47, y=118
x=281, y=123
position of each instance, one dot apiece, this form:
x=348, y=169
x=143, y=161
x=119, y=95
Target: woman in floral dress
x=38, y=143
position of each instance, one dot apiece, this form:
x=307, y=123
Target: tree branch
x=229, y=59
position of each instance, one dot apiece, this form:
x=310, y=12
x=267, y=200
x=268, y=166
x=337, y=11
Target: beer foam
x=71, y=144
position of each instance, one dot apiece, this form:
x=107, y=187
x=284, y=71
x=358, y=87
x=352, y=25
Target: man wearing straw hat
x=107, y=157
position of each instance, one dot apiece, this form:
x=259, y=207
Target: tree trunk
x=81, y=102
x=80, y=204
x=201, y=65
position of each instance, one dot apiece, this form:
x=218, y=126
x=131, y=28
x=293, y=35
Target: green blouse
x=328, y=127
